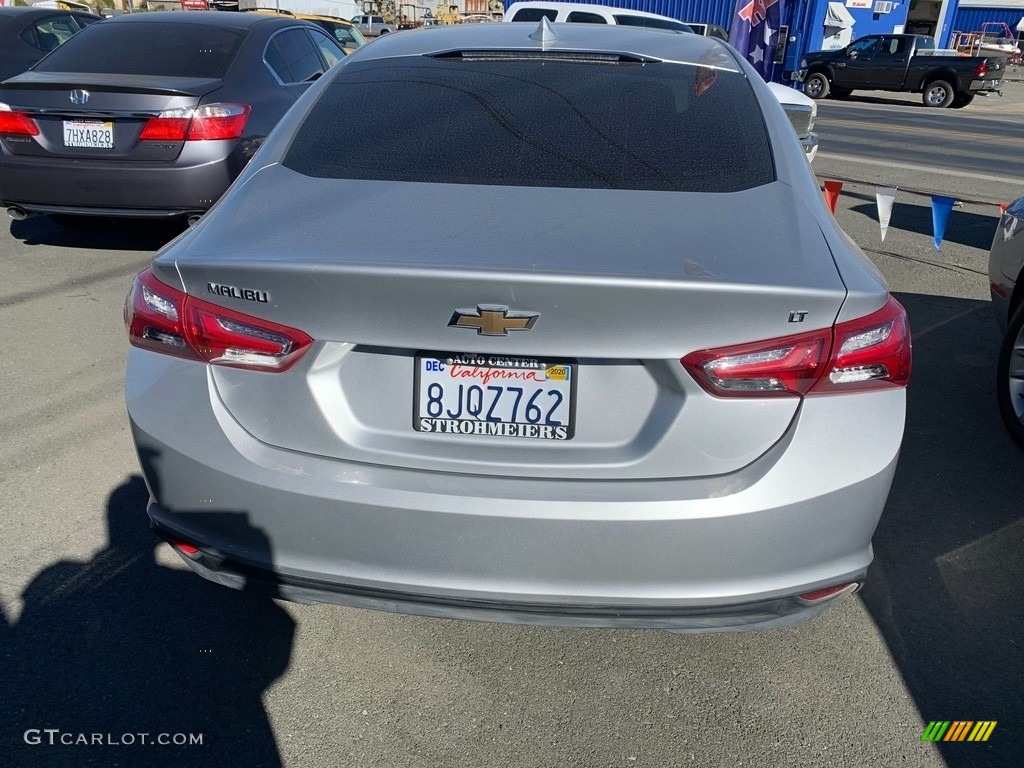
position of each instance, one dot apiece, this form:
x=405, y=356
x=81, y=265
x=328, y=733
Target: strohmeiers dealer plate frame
x=556, y=419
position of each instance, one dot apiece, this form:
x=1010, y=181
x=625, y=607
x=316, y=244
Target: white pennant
x=884, y=197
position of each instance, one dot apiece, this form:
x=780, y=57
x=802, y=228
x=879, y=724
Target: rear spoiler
x=150, y=84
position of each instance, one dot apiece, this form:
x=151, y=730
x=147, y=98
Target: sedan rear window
x=537, y=122
x=165, y=49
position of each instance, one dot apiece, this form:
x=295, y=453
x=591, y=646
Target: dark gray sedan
x=151, y=115
x=636, y=376
x=28, y=34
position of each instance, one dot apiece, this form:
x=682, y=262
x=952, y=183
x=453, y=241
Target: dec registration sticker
x=495, y=395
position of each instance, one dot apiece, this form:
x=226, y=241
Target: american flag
x=755, y=34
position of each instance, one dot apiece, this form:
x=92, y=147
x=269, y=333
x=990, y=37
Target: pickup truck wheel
x=961, y=100
x=817, y=85
x=938, y=93
x=1010, y=378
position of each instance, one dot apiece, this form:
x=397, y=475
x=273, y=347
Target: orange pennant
x=832, y=190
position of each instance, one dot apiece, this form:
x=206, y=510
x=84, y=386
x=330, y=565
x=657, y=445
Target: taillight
x=163, y=319
x=16, y=123
x=871, y=352
x=982, y=69
x=780, y=367
x=206, y=123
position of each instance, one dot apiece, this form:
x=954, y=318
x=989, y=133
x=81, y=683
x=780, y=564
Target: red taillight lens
x=163, y=319
x=982, y=69
x=206, y=123
x=169, y=125
x=871, y=352
x=780, y=367
x=16, y=123
x=153, y=316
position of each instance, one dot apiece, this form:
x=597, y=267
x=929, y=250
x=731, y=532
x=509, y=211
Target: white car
x=802, y=111
x=580, y=13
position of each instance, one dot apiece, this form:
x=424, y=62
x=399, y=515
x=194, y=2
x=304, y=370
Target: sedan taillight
x=207, y=123
x=871, y=352
x=163, y=319
x=16, y=123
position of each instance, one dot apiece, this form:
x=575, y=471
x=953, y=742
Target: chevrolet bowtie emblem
x=493, y=320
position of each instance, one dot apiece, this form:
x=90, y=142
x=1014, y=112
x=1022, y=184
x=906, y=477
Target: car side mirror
x=851, y=54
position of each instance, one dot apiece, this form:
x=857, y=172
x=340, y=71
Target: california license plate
x=92, y=134
x=495, y=395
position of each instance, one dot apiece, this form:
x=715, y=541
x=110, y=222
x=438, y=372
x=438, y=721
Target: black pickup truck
x=901, y=63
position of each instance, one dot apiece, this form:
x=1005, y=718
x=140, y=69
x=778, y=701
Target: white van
x=578, y=13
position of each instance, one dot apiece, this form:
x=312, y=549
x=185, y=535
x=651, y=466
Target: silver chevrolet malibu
x=600, y=357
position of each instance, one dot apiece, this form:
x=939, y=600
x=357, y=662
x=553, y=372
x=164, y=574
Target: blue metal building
x=973, y=13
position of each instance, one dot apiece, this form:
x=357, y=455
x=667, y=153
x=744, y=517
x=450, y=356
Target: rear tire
x=1010, y=378
x=961, y=100
x=817, y=86
x=938, y=93
x=841, y=93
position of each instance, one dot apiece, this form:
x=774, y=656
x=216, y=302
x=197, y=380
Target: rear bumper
x=192, y=184
x=764, y=614
x=989, y=85
x=653, y=553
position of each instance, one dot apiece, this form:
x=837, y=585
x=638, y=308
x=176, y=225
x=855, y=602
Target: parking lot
x=106, y=632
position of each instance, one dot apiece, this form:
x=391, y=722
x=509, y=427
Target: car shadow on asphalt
x=97, y=233
x=911, y=99
x=944, y=588
x=119, y=646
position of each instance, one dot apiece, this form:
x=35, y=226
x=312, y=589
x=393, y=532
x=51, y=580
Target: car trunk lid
x=99, y=116
x=624, y=284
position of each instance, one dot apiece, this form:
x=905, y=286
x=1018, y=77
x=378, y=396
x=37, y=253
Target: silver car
x=1006, y=278
x=600, y=358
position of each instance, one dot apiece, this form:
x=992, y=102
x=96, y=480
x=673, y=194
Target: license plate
x=93, y=134
x=992, y=83
x=494, y=395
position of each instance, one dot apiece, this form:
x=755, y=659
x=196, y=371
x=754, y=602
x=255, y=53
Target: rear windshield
x=537, y=122
x=164, y=48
